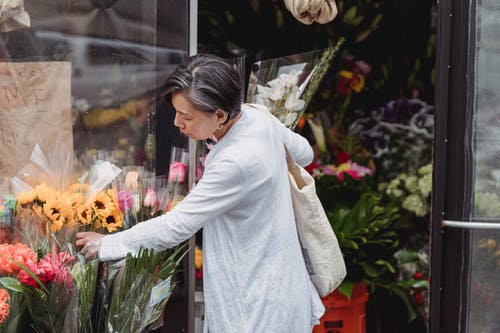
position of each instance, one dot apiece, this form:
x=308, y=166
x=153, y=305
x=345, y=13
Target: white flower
x=291, y=79
x=411, y=183
x=262, y=91
x=276, y=83
x=293, y=103
x=425, y=185
x=276, y=93
x=289, y=119
x=414, y=204
x=82, y=105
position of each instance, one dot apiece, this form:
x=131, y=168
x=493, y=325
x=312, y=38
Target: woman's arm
x=221, y=188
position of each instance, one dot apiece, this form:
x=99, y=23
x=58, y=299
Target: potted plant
x=367, y=225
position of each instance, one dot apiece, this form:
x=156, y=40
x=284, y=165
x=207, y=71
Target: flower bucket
x=342, y=315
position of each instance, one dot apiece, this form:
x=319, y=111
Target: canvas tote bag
x=322, y=255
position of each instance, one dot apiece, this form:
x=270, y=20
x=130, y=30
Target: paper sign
x=35, y=107
x=159, y=292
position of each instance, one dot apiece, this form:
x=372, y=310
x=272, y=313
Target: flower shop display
x=50, y=286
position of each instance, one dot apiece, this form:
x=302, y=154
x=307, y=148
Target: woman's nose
x=177, y=122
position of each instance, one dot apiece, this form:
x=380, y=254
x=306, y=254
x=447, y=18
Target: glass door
x=465, y=296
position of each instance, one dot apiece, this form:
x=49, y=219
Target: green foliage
x=85, y=277
x=367, y=236
x=130, y=309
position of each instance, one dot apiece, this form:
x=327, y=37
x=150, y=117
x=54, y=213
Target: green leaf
x=385, y=264
x=346, y=288
x=350, y=15
x=12, y=284
x=409, y=307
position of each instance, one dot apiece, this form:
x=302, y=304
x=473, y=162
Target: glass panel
x=486, y=145
x=82, y=78
x=484, y=291
x=118, y=52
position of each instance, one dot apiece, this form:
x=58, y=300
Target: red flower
x=198, y=274
x=311, y=167
x=344, y=86
x=418, y=276
x=342, y=157
x=419, y=298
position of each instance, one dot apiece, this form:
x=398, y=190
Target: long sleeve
x=297, y=145
x=222, y=186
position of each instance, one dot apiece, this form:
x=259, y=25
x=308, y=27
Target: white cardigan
x=255, y=278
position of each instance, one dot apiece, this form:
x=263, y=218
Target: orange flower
x=4, y=296
x=83, y=214
x=4, y=307
x=26, y=198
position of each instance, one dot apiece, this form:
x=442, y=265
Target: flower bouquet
x=46, y=285
x=141, y=289
x=286, y=84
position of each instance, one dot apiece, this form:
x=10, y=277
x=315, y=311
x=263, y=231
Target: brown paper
x=35, y=107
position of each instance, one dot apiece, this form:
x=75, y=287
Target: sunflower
x=83, y=214
x=100, y=200
x=113, y=221
x=26, y=198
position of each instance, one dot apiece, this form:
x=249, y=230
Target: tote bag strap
x=294, y=169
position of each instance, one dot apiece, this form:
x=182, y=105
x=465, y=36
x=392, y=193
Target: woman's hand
x=90, y=242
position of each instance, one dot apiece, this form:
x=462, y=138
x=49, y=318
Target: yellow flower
x=346, y=74
x=26, y=198
x=358, y=82
x=198, y=257
x=44, y=192
x=343, y=167
x=113, y=221
x=83, y=214
x=112, y=195
x=52, y=209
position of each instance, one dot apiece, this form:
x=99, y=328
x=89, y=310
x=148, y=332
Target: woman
x=255, y=279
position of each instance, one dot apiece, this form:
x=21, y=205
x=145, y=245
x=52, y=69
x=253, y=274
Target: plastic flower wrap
x=286, y=84
x=8, y=211
x=141, y=289
x=177, y=177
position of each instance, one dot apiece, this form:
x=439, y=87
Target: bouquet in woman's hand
x=286, y=84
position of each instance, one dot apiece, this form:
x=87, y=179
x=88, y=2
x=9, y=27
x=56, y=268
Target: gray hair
x=208, y=82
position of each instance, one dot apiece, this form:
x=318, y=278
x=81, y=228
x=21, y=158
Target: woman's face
x=196, y=124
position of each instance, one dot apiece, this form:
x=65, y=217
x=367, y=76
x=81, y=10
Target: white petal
x=294, y=104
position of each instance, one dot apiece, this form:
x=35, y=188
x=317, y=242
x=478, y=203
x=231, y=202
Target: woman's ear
x=221, y=115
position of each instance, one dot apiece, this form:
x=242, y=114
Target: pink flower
x=340, y=176
x=363, y=67
x=47, y=269
x=25, y=278
x=329, y=170
x=125, y=200
x=177, y=172
x=360, y=170
x=354, y=175
x=150, y=199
